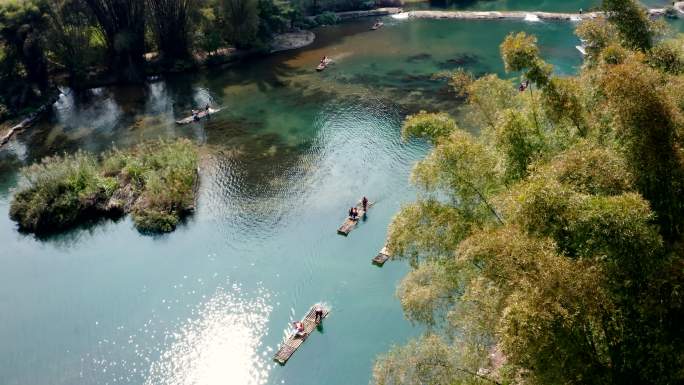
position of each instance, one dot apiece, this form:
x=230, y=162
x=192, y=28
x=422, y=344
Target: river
x=291, y=150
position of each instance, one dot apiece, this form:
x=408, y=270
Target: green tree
x=170, y=20
x=428, y=126
x=542, y=254
x=486, y=97
x=123, y=26
x=647, y=124
x=520, y=53
x=518, y=140
x=597, y=34
x=241, y=21
x=631, y=20
x=73, y=39
x=22, y=30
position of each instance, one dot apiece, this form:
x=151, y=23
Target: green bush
x=152, y=221
x=156, y=180
x=60, y=191
x=327, y=18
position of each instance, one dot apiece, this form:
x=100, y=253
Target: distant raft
x=382, y=256
x=323, y=64
x=292, y=343
x=200, y=115
x=349, y=223
x=377, y=25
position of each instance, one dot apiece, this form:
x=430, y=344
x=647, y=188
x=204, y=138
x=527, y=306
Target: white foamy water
x=532, y=17
x=401, y=16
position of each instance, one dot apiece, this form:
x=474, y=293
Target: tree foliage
x=631, y=21
x=428, y=126
x=170, y=20
x=242, y=21
x=24, y=77
x=547, y=250
x=123, y=25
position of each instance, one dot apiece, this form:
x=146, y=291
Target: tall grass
x=156, y=180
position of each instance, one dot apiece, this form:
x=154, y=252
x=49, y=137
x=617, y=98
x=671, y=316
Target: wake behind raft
x=302, y=330
x=198, y=115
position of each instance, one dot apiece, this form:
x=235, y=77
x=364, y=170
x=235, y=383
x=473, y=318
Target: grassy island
x=155, y=181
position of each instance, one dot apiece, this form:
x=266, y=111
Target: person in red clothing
x=299, y=329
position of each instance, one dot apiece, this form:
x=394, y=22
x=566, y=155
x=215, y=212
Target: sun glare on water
x=221, y=346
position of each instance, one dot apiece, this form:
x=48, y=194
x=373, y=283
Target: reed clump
x=156, y=182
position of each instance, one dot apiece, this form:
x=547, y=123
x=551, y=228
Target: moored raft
x=293, y=342
x=200, y=115
x=382, y=256
x=349, y=223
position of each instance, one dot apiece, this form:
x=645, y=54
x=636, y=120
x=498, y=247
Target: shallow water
x=291, y=150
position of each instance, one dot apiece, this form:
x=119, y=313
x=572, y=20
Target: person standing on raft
x=364, y=203
x=318, y=311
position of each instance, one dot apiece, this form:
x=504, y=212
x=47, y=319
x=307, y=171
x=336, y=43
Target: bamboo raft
x=382, y=256
x=323, y=65
x=200, y=115
x=349, y=223
x=293, y=342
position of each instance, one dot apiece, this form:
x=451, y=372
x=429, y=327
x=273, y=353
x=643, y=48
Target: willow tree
x=170, y=21
x=123, y=26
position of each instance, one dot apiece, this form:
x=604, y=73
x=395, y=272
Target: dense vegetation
x=156, y=182
x=548, y=249
x=91, y=41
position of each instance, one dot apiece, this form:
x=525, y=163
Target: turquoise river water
x=291, y=150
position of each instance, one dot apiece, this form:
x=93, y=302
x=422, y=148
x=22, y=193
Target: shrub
x=155, y=180
x=60, y=191
x=327, y=18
